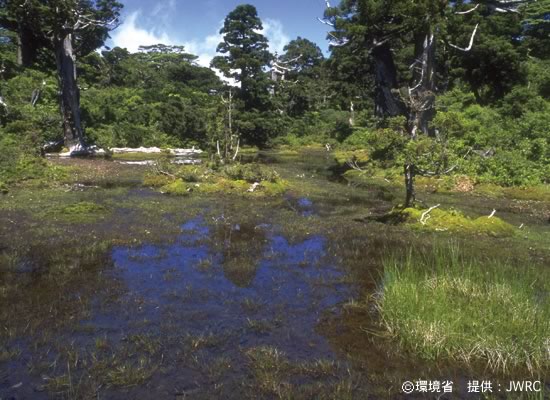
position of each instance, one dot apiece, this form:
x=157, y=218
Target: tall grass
x=446, y=305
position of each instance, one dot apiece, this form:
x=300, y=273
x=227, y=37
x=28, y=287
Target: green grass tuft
x=443, y=306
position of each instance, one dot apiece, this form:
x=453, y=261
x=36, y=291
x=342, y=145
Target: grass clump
x=247, y=179
x=443, y=306
x=455, y=221
x=277, y=375
x=156, y=180
x=131, y=374
x=251, y=173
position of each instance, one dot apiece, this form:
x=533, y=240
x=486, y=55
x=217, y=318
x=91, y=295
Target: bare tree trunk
x=410, y=193
x=27, y=49
x=422, y=94
x=351, y=114
x=421, y=101
x=69, y=94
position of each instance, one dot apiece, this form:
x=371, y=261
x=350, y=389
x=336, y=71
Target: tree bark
x=386, y=102
x=422, y=94
x=410, y=195
x=421, y=100
x=27, y=46
x=69, y=93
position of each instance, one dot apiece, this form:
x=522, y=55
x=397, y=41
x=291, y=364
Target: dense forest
x=440, y=87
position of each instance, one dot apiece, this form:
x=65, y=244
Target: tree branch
x=471, y=41
x=468, y=11
x=324, y=21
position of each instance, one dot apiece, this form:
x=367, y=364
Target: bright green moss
x=154, y=180
x=243, y=179
x=454, y=221
x=177, y=187
x=493, y=227
x=274, y=188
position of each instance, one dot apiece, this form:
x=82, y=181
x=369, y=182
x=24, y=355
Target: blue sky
x=196, y=23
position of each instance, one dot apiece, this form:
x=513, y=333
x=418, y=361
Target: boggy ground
x=110, y=289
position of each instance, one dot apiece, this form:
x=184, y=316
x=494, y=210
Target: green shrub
x=251, y=173
x=509, y=168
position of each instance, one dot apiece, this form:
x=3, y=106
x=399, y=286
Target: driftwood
x=155, y=150
x=78, y=150
x=426, y=214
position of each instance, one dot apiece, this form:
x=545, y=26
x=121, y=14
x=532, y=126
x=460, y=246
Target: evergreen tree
x=304, y=87
x=245, y=56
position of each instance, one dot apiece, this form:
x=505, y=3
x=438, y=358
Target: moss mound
x=156, y=180
x=244, y=179
x=177, y=187
x=455, y=221
x=81, y=212
x=251, y=173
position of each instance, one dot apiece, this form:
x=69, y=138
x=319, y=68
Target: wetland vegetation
x=358, y=219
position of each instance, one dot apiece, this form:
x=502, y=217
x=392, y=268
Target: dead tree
x=231, y=141
x=58, y=26
x=69, y=93
x=280, y=68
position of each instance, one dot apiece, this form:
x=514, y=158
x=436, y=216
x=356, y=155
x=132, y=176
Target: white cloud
x=130, y=36
x=134, y=33
x=204, y=48
x=274, y=31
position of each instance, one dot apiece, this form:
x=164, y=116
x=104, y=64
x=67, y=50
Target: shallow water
x=214, y=297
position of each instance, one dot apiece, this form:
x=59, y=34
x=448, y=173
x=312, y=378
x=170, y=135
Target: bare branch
x=324, y=21
x=338, y=42
x=471, y=41
x=237, y=151
x=341, y=43
x=468, y=11
x=84, y=21
x=351, y=163
x=506, y=6
x=426, y=214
